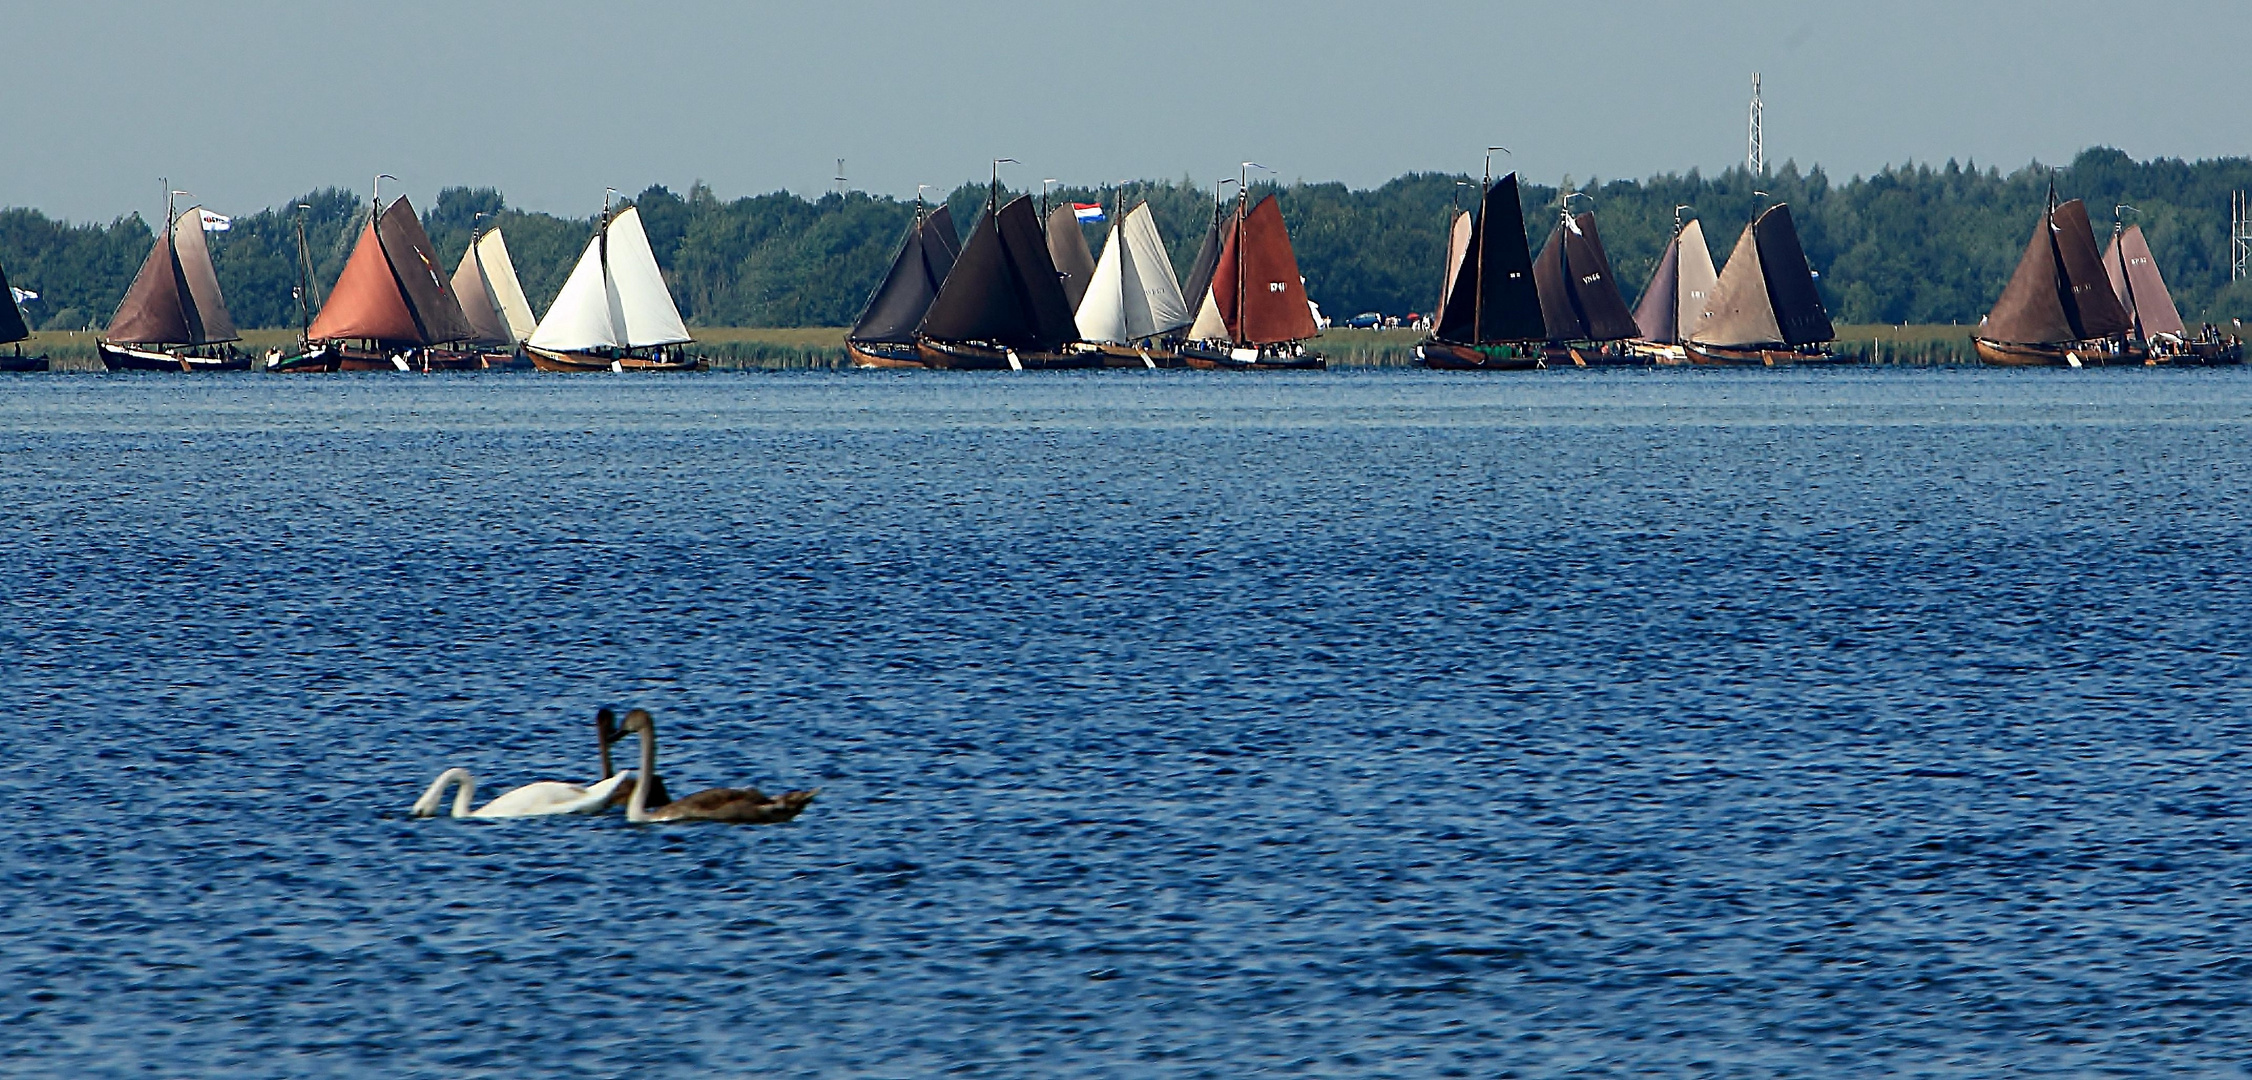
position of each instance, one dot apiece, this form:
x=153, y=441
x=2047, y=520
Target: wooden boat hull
x=2015, y=354
x=1651, y=352
x=18, y=363
x=2202, y=354
x=1136, y=357
x=1590, y=355
x=1448, y=356
x=128, y=358
x=883, y=354
x=967, y=356
x=1220, y=358
x=428, y=360
x=1716, y=356
x=546, y=360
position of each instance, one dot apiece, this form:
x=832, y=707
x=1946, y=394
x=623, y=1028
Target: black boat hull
x=1448, y=356
x=969, y=356
x=1223, y=358
x=206, y=359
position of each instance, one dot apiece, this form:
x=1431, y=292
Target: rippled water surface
x=1369, y=724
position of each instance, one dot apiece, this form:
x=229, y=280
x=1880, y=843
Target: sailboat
x=884, y=335
x=1764, y=308
x=1579, y=296
x=1133, y=300
x=1067, y=248
x=2058, y=308
x=492, y=299
x=1255, y=316
x=173, y=317
x=1003, y=304
x=387, y=307
x=614, y=312
x=2154, y=320
x=1491, y=320
x=13, y=332
x=1674, y=302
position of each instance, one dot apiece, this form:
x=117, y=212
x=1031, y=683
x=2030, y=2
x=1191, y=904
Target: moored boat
x=173, y=317
x=1764, y=309
x=614, y=312
x=884, y=335
x=1002, y=306
x=1580, y=303
x=1674, y=301
x=2058, y=309
x=1490, y=319
x=1255, y=315
x=387, y=306
x=1132, y=300
x=14, y=331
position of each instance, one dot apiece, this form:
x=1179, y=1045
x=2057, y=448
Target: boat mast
x=1678, y=225
x=304, y=276
x=2119, y=248
x=1242, y=241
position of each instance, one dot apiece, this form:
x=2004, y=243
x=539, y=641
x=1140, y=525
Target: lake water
x=1167, y=724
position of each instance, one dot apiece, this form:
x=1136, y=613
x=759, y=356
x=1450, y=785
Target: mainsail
x=1003, y=290
x=2136, y=281
x=1654, y=312
x=1458, y=245
x=1256, y=297
x=897, y=306
x=1067, y=248
x=615, y=297
x=1765, y=295
x=1493, y=298
x=1133, y=294
x=2046, y=302
x=390, y=290
x=1198, y=288
x=1579, y=298
x=12, y=327
x=175, y=299
x=490, y=296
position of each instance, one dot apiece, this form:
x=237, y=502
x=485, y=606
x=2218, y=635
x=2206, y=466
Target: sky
x=249, y=103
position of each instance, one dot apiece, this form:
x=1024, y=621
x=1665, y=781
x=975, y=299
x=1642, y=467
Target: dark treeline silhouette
x=1912, y=244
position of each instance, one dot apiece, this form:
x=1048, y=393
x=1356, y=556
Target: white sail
x=614, y=302
x=1154, y=304
x=637, y=288
x=1209, y=326
x=507, y=291
x=579, y=319
x=1102, y=312
x=1693, y=290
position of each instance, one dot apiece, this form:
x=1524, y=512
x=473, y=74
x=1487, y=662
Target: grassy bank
x=822, y=347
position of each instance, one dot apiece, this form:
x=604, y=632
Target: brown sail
x=2093, y=306
x=1256, y=285
x=1067, y=248
x=175, y=299
x=2031, y=310
x=193, y=249
x=414, y=261
x=2136, y=281
x=366, y=302
x=1654, y=313
x=1579, y=301
x=1741, y=315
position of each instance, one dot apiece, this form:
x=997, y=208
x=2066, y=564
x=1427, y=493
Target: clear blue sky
x=251, y=102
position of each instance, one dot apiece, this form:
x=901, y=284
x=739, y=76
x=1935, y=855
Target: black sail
x=899, y=303
x=1654, y=315
x=1004, y=290
x=1559, y=313
x=1594, y=287
x=1494, y=298
x=12, y=326
x=941, y=226
x=1790, y=281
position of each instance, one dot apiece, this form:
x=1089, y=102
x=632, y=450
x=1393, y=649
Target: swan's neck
x=602, y=739
x=637, y=807
x=464, y=794
x=427, y=805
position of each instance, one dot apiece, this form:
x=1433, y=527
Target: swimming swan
x=740, y=806
x=544, y=797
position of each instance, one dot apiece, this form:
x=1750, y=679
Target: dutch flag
x=1087, y=212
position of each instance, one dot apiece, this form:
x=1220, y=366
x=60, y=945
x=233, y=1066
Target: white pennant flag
x=215, y=222
x=22, y=295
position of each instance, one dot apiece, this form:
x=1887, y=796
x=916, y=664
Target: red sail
x=1273, y=299
x=365, y=302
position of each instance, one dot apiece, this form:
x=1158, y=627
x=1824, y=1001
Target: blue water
x=1752, y=724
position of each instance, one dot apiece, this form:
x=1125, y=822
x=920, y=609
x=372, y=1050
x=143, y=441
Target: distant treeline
x=1914, y=244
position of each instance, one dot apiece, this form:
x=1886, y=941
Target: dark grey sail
x=1207, y=262
x=12, y=327
x=899, y=303
x=1579, y=301
x=1067, y=248
x=414, y=262
x=1790, y=280
x=2094, y=309
x=1003, y=290
x=1654, y=313
x=1494, y=298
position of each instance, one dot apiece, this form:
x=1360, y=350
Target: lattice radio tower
x=1757, y=157
x=2240, y=236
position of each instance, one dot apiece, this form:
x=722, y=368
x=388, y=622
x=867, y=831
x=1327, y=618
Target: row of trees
x=1914, y=244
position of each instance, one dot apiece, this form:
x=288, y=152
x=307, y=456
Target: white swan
x=537, y=799
x=542, y=798
x=738, y=806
